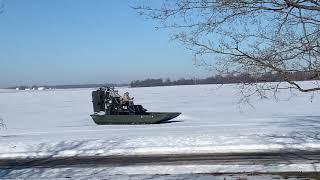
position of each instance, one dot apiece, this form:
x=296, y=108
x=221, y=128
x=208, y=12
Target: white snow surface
x=58, y=123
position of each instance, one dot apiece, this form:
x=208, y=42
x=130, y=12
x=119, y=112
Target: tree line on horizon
x=227, y=79
x=70, y=86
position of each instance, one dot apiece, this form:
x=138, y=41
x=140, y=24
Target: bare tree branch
x=254, y=37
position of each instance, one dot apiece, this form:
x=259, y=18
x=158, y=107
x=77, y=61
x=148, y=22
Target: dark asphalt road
x=181, y=159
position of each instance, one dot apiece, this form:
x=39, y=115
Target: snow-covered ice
x=57, y=123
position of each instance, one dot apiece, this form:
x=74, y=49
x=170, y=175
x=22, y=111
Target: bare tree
x=248, y=36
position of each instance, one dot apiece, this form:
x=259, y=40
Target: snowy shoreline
x=84, y=149
x=287, y=163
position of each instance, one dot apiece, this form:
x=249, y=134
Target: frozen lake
x=57, y=122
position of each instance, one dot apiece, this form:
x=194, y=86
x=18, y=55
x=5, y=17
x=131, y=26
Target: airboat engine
x=98, y=100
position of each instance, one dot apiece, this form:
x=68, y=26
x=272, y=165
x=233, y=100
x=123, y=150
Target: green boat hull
x=150, y=118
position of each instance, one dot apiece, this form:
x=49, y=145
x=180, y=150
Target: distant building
x=42, y=88
x=34, y=87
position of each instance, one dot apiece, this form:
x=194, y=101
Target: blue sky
x=85, y=41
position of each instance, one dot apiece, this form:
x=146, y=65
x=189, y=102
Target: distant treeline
x=228, y=79
x=68, y=86
x=82, y=86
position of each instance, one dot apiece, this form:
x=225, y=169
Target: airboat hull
x=150, y=118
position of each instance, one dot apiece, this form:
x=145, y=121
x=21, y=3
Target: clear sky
x=47, y=42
